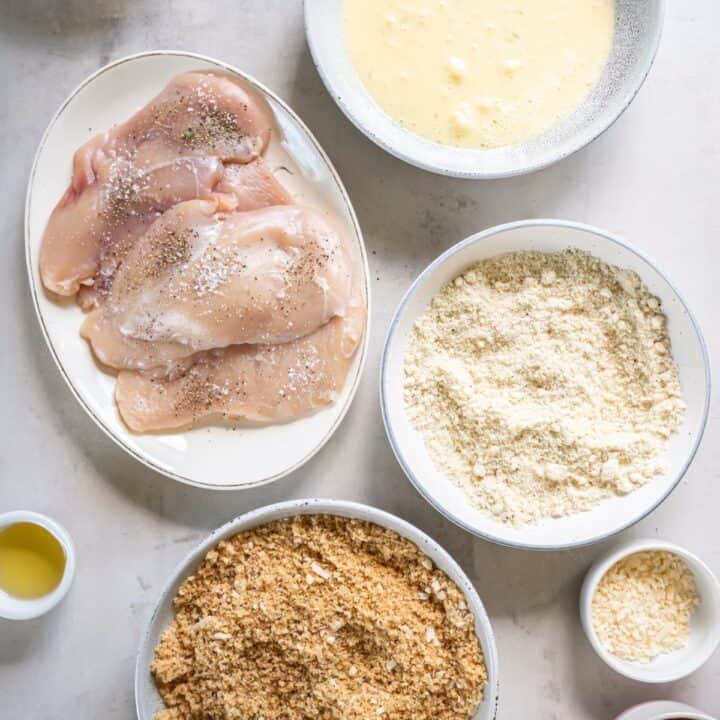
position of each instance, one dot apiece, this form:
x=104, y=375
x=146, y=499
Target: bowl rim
x=595, y=574
x=526, y=169
x=34, y=289
x=384, y=383
x=342, y=508
x=667, y=709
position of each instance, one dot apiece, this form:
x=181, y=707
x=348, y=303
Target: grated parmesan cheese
x=643, y=605
x=543, y=383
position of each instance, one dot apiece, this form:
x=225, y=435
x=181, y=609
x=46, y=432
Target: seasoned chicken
x=89, y=233
x=170, y=151
x=201, y=279
x=205, y=284
x=253, y=185
x=269, y=383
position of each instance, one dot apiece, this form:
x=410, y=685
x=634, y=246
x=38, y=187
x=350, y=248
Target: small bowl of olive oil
x=37, y=564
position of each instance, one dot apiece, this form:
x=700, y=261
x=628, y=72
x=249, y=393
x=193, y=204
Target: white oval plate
x=610, y=516
x=147, y=699
x=638, y=26
x=210, y=456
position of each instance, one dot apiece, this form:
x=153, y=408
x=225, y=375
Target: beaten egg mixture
x=479, y=73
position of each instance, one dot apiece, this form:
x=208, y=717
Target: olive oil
x=32, y=561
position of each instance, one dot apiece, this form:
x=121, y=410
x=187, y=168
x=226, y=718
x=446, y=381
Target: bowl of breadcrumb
x=318, y=608
x=651, y=610
x=544, y=385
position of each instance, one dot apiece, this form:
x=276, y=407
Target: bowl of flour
x=544, y=385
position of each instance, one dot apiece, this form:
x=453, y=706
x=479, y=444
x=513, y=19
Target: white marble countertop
x=653, y=178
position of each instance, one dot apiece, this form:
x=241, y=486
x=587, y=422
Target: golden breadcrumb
x=318, y=616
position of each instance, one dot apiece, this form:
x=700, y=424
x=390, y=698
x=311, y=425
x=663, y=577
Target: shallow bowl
x=610, y=516
x=638, y=27
x=147, y=698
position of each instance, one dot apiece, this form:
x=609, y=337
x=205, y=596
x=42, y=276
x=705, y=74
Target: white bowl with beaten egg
x=631, y=50
x=147, y=699
x=611, y=515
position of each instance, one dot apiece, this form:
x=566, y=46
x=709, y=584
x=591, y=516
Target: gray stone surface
x=653, y=178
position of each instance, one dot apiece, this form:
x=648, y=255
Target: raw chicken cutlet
x=269, y=383
x=201, y=279
x=253, y=185
x=170, y=151
x=209, y=289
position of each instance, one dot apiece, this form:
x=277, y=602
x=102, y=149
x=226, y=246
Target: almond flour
x=643, y=604
x=543, y=383
x=319, y=617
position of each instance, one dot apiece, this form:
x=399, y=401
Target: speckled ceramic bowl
x=147, y=699
x=638, y=27
x=611, y=515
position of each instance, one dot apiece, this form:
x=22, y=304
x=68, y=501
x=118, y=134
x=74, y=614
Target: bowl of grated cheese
x=651, y=610
x=544, y=385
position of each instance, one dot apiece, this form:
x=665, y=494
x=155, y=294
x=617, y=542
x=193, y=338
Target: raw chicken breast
x=201, y=279
x=253, y=185
x=88, y=234
x=170, y=151
x=268, y=383
x=206, y=286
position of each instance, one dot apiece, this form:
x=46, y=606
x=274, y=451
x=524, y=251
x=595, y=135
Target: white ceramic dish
x=663, y=710
x=147, y=699
x=637, y=35
x=211, y=456
x=612, y=515
x=705, y=623
x=13, y=608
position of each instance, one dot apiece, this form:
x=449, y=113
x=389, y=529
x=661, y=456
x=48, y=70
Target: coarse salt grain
x=321, y=571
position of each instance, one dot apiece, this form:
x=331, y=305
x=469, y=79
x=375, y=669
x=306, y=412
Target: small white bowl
x=638, y=27
x=663, y=710
x=704, y=625
x=12, y=608
x=610, y=516
x=147, y=699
